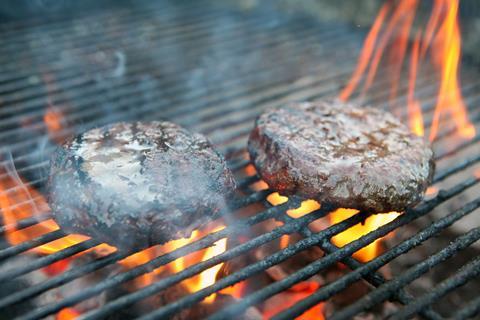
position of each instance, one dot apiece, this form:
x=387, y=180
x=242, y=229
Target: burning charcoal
x=15, y=285
x=203, y=310
x=360, y=158
x=198, y=311
x=163, y=298
x=134, y=185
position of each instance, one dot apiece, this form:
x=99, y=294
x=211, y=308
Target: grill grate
x=214, y=69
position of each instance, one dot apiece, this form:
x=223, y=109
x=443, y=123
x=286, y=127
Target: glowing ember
x=259, y=185
x=288, y=298
x=441, y=37
x=371, y=223
x=431, y=191
x=250, y=170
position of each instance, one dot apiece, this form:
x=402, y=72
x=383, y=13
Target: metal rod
x=385, y=291
x=466, y=273
x=30, y=244
x=471, y=310
x=47, y=260
x=339, y=255
x=334, y=287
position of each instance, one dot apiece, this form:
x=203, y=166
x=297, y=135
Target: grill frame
x=209, y=124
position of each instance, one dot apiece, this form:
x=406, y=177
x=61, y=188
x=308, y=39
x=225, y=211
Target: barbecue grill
x=213, y=68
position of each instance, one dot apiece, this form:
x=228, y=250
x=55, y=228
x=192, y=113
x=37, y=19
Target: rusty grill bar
x=256, y=52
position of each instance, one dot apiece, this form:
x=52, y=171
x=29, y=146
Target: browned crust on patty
x=137, y=184
x=338, y=153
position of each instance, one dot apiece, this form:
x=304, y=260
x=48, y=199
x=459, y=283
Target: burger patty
x=338, y=153
x=133, y=185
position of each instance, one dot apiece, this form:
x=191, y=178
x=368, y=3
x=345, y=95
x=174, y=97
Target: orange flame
x=67, y=314
x=441, y=36
x=373, y=222
x=446, y=50
x=20, y=201
x=414, y=110
x=206, y=277
x=54, y=120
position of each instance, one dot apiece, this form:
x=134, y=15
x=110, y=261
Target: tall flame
x=446, y=49
x=441, y=36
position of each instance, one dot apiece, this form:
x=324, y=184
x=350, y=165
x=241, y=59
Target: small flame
x=54, y=120
x=67, y=314
x=441, y=36
x=276, y=199
x=206, y=277
x=306, y=207
x=431, y=191
x=373, y=222
x=250, y=170
x=284, y=241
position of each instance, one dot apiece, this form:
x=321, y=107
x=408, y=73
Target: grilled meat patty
x=338, y=153
x=133, y=185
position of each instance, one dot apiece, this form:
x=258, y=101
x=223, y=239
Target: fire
x=288, y=298
x=441, y=36
x=207, y=277
x=446, y=49
x=54, y=120
x=20, y=201
x=67, y=314
x=373, y=222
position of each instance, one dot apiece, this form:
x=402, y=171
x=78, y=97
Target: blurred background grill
x=213, y=67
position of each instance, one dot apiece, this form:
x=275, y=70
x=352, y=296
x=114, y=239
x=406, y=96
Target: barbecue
x=137, y=184
x=343, y=155
x=213, y=67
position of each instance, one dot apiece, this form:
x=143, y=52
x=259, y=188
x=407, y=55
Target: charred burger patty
x=133, y=185
x=335, y=152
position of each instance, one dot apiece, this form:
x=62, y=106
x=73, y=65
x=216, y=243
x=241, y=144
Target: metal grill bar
x=467, y=272
x=347, y=250
x=385, y=291
x=47, y=260
x=232, y=112
x=22, y=224
x=331, y=289
x=138, y=65
x=27, y=245
x=133, y=99
x=469, y=311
